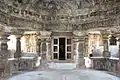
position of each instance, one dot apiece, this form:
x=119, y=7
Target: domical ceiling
x=65, y=15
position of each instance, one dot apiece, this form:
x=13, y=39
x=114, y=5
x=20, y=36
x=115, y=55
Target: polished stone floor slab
x=65, y=74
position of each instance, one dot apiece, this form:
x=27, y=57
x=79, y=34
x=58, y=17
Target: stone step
x=53, y=65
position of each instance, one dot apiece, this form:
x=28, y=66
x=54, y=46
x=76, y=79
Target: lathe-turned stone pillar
x=118, y=64
x=75, y=49
x=106, y=52
x=45, y=37
x=4, y=54
x=46, y=48
x=18, y=46
x=118, y=36
x=79, y=48
x=38, y=46
x=38, y=43
x=49, y=53
x=86, y=46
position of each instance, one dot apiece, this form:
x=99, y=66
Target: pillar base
x=106, y=54
x=80, y=63
x=17, y=55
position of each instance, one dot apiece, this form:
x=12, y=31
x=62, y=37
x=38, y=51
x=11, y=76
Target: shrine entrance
x=62, y=48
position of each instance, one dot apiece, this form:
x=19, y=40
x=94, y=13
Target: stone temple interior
x=43, y=38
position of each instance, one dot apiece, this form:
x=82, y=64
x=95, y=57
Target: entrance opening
x=61, y=48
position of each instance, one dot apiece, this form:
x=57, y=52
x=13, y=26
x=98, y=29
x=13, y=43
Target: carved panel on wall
x=95, y=42
x=31, y=42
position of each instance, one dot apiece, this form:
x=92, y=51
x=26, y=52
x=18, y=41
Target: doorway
x=61, y=48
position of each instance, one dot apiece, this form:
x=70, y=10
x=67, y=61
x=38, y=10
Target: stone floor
x=63, y=71
x=65, y=74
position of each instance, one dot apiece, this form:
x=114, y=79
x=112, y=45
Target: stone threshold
x=62, y=61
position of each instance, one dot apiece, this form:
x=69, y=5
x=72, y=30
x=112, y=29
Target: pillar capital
x=78, y=33
x=4, y=37
x=79, y=39
x=105, y=35
x=117, y=37
x=18, y=35
x=45, y=34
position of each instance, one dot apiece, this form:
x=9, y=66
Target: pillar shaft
x=119, y=48
x=4, y=40
x=105, y=44
x=45, y=37
x=106, y=52
x=4, y=54
x=79, y=51
x=18, y=47
x=86, y=46
x=119, y=51
x=45, y=45
x=118, y=36
x=38, y=46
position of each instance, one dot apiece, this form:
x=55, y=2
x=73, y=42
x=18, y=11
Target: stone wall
x=22, y=64
x=107, y=64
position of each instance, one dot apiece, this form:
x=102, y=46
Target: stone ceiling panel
x=66, y=15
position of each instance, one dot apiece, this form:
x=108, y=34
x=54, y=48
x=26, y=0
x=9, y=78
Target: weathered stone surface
x=54, y=14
